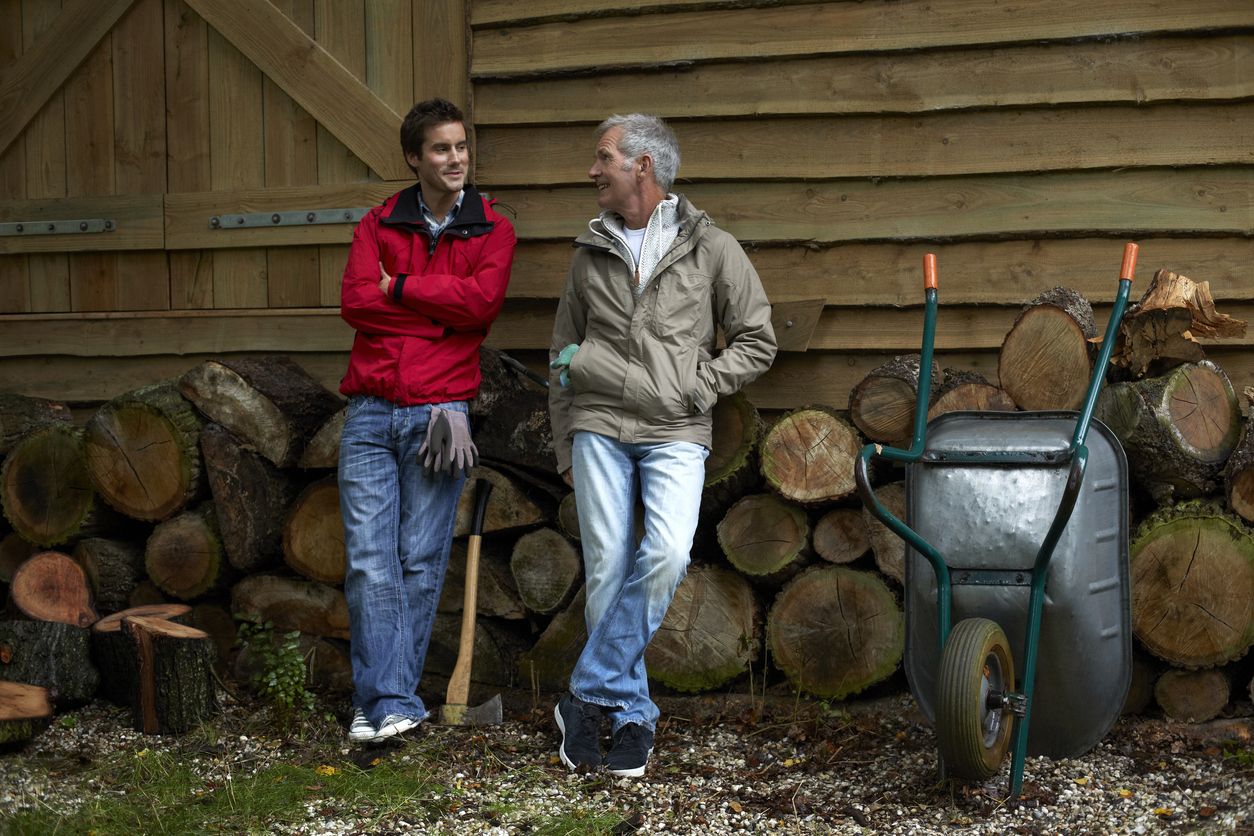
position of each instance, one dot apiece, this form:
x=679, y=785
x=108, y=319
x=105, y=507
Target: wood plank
x=311, y=76
x=137, y=218
x=14, y=286
x=28, y=84
x=940, y=145
x=14, y=279
x=332, y=259
x=1206, y=200
x=443, y=71
x=1148, y=70
x=341, y=31
x=390, y=52
x=830, y=28
x=140, y=99
x=489, y=12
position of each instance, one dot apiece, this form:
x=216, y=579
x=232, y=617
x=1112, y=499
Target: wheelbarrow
x=1017, y=537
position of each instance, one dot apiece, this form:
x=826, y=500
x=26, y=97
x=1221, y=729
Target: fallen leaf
x=1165, y=812
x=324, y=769
x=1126, y=793
x=735, y=807
x=1082, y=781
x=1206, y=812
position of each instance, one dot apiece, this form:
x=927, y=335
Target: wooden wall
x=1021, y=141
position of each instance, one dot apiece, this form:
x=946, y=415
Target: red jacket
x=421, y=345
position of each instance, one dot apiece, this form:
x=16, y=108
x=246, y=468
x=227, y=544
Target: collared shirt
x=434, y=224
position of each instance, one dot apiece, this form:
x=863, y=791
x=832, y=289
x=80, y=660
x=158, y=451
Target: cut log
x=13, y=552
x=733, y=467
x=882, y=404
x=547, y=665
x=250, y=497
x=323, y=450
x=1141, y=689
x=328, y=666
x=568, y=516
x=51, y=655
x=142, y=453
x=184, y=555
x=50, y=586
x=292, y=604
x=766, y=538
x=45, y=490
x=497, y=593
x=888, y=548
x=497, y=648
x=215, y=619
x=113, y=568
x=313, y=534
x=547, y=570
x=114, y=656
x=21, y=415
x=511, y=416
x=834, y=631
x=1192, y=696
x=146, y=593
x=808, y=456
x=1046, y=358
x=175, y=669
x=711, y=634
x=1192, y=569
x=1161, y=330
x=24, y=712
x=1177, y=430
x=515, y=504
x=1239, y=472
x=965, y=391
x=841, y=536
x=272, y=404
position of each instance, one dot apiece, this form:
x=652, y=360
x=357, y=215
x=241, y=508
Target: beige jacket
x=649, y=370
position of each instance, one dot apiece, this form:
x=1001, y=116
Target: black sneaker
x=580, y=725
x=633, y=744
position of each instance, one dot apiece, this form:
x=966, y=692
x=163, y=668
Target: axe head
x=488, y=714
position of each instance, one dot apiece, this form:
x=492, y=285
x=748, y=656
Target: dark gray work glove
x=448, y=447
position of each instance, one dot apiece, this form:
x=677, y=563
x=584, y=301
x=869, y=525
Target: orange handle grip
x=929, y=271
x=1129, y=261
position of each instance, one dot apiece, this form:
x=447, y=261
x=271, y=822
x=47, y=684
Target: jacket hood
x=690, y=219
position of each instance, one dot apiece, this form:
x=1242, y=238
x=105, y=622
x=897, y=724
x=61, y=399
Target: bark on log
x=841, y=536
x=1239, y=472
x=175, y=668
x=1192, y=569
x=21, y=415
x=184, y=555
x=13, y=552
x=965, y=391
x=547, y=570
x=1192, y=696
x=1046, y=358
x=546, y=666
x=497, y=648
x=142, y=453
x=52, y=655
x=712, y=632
x=766, y=538
x=215, y=619
x=313, y=534
x=250, y=498
x=511, y=416
x=882, y=404
x=834, y=631
x=272, y=404
x=733, y=467
x=146, y=593
x=114, y=656
x=45, y=490
x=24, y=712
x=323, y=450
x=113, y=568
x=568, y=516
x=50, y=586
x=1141, y=688
x=889, y=549
x=1177, y=430
x=515, y=504
x=292, y=604
x=497, y=593
x=808, y=456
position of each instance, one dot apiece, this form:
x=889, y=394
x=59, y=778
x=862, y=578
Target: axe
x=455, y=712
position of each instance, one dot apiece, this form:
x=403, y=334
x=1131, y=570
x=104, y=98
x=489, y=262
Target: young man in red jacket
x=426, y=276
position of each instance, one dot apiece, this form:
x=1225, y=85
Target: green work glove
x=448, y=447
x=563, y=362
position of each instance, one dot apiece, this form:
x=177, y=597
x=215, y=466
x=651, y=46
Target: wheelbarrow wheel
x=973, y=722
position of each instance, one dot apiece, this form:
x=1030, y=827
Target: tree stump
x=272, y=404
x=1192, y=696
x=45, y=490
x=1239, y=471
x=841, y=536
x=547, y=570
x=733, y=467
x=292, y=604
x=184, y=555
x=313, y=534
x=546, y=666
x=711, y=634
x=24, y=712
x=50, y=586
x=766, y=538
x=142, y=453
x=1178, y=430
x=1046, y=358
x=175, y=669
x=250, y=498
x=21, y=415
x=882, y=404
x=497, y=593
x=888, y=548
x=1192, y=569
x=323, y=450
x=114, y=656
x=834, y=631
x=510, y=416
x=52, y=655
x=965, y=391
x=808, y=456
x=113, y=569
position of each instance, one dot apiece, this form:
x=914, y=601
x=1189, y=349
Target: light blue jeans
x=629, y=587
x=398, y=527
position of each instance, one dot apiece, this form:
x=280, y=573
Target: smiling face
x=617, y=189
x=442, y=164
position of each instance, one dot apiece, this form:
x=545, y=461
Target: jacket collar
x=471, y=218
x=692, y=221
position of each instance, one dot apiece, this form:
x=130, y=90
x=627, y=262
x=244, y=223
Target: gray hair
x=644, y=133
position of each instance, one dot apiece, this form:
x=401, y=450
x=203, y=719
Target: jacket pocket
x=682, y=309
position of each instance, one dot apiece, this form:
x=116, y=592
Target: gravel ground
x=721, y=766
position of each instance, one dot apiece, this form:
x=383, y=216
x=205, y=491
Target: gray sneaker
x=361, y=729
x=395, y=724
x=580, y=725
x=633, y=744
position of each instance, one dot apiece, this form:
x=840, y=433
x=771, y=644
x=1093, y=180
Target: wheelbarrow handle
x=1128, y=267
x=929, y=272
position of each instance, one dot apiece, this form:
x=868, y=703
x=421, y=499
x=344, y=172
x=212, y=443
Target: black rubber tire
x=973, y=739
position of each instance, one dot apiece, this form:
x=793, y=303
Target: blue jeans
x=629, y=587
x=398, y=528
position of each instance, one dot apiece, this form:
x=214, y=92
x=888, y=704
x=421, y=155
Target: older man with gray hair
x=636, y=371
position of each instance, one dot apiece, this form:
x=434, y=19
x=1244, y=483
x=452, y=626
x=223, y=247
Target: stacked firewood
x=185, y=505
